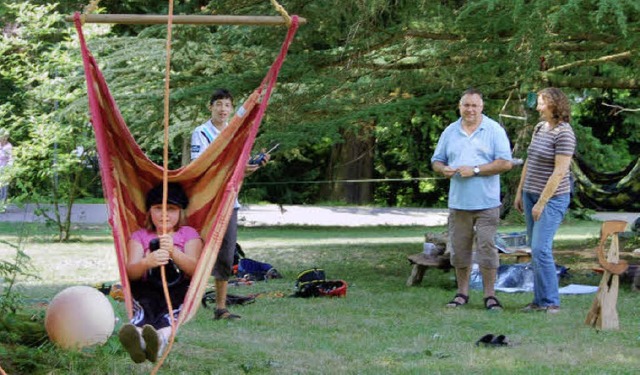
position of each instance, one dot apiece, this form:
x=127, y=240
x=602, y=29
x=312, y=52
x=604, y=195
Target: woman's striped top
x=544, y=146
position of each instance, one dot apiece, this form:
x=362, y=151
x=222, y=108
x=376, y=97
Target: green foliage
x=53, y=157
x=19, y=267
x=580, y=214
x=412, y=60
x=612, y=135
x=391, y=70
x=608, y=157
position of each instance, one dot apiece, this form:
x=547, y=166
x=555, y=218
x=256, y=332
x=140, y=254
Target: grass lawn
x=381, y=327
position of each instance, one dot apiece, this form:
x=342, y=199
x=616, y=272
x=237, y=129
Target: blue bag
x=257, y=270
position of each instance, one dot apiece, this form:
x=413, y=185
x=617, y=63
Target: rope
x=346, y=181
x=165, y=183
x=89, y=8
x=282, y=11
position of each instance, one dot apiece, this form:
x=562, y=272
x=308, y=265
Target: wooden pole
x=152, y=19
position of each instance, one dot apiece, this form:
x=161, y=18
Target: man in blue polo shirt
x=472, y=152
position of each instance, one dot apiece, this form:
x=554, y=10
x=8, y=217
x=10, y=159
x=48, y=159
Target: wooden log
x=420, y=264
x=417, y=274
x=523, y=257
x=436, y=238
x=156, y=19
x=612, y=263
x=603, y=314
x=439, y=261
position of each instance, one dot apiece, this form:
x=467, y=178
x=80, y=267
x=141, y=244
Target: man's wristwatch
x=476, y=170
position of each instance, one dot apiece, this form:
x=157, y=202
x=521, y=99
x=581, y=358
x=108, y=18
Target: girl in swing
x=146, y=335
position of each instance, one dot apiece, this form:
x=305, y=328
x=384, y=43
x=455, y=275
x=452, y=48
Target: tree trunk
x=352, y=161
x=186, y=151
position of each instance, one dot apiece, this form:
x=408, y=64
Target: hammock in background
x=212, y=181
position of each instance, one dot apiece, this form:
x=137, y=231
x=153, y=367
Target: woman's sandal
x=453, y=303
x=495, y=306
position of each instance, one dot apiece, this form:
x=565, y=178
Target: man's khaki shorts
x=464, y=227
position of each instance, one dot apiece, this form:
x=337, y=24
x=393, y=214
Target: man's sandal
x=454, y=303
x=495, y=306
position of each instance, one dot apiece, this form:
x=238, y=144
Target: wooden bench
x=522, y=255
x=421, y=262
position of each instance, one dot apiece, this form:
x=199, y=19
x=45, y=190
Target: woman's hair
x=557, y=102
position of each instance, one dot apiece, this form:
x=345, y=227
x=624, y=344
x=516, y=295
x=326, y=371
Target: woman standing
x=544, y=192
x=6, y=159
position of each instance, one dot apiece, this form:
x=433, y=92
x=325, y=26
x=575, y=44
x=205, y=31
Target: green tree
x=369, y=85
x=398, y=68
x=41, y=79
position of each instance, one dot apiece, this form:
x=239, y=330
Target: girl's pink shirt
x=180, y=237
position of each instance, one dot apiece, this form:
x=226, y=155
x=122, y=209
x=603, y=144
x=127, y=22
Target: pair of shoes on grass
x=490, y=340
x=224, y=314
x=140, y=347
x=532, y=307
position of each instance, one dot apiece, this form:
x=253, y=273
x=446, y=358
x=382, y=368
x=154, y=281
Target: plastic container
x=514, y=239
x=333, y=288
x=429, y=249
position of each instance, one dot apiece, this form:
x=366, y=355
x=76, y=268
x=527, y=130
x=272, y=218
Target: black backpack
x=309, y=282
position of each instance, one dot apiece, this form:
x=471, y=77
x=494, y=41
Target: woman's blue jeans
x=540, y=237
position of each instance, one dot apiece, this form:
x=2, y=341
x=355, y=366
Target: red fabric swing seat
x=212, y=181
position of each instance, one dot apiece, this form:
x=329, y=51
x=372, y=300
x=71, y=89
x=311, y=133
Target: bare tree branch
x=619, y=109
x=581, y=82
x=599, y=60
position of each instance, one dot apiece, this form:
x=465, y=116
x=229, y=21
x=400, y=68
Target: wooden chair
x=603, y=314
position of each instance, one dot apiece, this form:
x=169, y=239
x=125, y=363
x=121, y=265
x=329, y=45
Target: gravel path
x=273, y=215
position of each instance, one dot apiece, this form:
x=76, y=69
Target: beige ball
x=79, y=316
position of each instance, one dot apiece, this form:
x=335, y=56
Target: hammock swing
x=211, y=182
